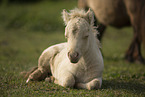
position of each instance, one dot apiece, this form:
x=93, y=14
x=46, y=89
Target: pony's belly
x=110, y=12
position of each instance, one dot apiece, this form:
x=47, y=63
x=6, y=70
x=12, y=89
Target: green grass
x=26, y=30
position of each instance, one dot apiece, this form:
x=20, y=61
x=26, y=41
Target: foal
x=78, y=62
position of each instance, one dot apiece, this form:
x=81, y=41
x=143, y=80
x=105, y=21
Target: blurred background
x=33, y=15
x=27, y=27
x=30, y=26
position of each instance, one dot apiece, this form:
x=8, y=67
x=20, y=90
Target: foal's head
x=77, y=32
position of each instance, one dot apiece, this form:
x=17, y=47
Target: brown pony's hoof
x=138, y=59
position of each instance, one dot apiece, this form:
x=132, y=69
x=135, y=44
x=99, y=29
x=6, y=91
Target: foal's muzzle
x=73, y=56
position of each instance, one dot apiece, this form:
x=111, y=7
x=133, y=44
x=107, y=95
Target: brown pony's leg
x=101, y=29
x=134, y=10
x=133, y=54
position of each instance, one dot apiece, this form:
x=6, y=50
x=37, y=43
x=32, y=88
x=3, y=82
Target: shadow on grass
x=126, y=85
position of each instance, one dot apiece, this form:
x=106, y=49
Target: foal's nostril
x=76, y=55
x=73, y=55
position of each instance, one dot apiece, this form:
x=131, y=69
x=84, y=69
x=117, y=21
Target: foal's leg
x=44, y=63
x=43, y=68
x=93, y=84
x=66, y=80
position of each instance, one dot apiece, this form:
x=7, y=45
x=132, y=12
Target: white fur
x=87, y=72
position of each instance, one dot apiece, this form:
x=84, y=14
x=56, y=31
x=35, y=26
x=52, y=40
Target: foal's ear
x=90, y=16
x=65, y=16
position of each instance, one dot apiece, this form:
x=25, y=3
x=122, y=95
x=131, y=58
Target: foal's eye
x=86, y=36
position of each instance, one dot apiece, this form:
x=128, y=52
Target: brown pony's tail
x=26, y=74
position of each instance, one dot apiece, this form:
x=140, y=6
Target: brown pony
x=121, y=13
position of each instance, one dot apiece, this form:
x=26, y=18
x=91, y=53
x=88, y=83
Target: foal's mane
x=82, y=14
x=77, y=13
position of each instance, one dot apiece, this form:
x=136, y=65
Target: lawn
x=27, y=29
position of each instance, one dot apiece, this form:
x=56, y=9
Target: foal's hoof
x=49, y=79
x=27, y=80
x=94, y=84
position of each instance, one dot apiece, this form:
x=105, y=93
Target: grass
x=26, y=30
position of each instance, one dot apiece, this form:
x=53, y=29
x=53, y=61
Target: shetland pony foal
x=78, y=62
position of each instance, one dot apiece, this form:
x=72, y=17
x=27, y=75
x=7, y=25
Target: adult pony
x=78, y=62
x=120, y=13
